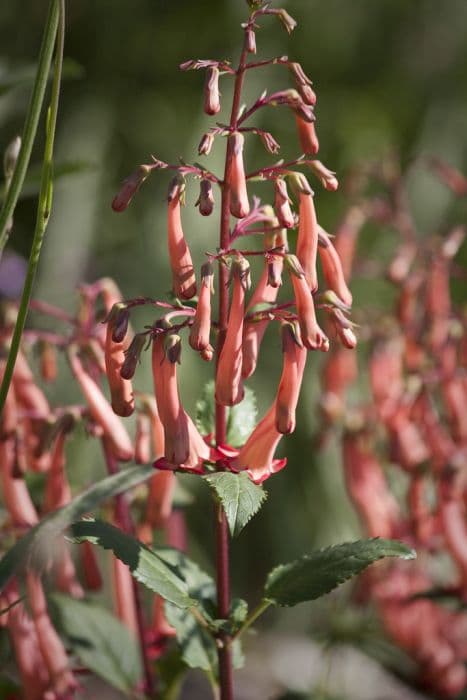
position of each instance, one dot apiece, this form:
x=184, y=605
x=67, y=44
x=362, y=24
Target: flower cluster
x=416, y=419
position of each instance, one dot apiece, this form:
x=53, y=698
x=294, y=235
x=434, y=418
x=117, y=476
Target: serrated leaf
x=197, y=646
x=241, y=419
x=316, y=574
x=102, y=643
x=145, y=564
x=240, y=498
x=37, y=546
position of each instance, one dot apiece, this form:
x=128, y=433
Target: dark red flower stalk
x=239, y=205
x=91, y=573
x=183, y=275
x=124, y=598
x=143, y=438
x=294, y=359
x=229, y=385
x=201, y=328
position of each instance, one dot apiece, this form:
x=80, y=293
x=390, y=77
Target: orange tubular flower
x=184, y=448
x=313, y=337
x=101, y=411
x=183, y=275
x=15, y=492
x=253, y=331
x=307, y=136
x=50, y=644
x=307, y=240
x=239, y=205
x=292, y=374
x=257, y=454
x=332, y=268
x=229, y=385
x=57, y=488
x=121, y=390
x=201, y=328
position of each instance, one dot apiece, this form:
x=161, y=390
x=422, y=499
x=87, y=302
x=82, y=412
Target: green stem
x=43, y=206
x=31, y=123
x=252, y=617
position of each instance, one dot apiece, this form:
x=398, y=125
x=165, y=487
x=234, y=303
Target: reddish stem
x=222, y=533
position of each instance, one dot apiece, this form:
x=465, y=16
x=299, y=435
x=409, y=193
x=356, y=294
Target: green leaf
x=240, y=498
x=102, y=643
x=241, y=419
x=316, y=574
x=36, y=548
x=145, y=564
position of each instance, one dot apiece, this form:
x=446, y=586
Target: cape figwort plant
x=223, y=444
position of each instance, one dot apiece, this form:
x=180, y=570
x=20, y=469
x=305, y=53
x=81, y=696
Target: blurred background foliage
x=391, y=76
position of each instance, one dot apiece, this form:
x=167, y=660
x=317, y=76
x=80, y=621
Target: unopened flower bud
x=286, y=20
x=10, y=157
x=206, y=143
x=307, y=136
x=313, y=337
x=344, y=329
x=173, y=348
x=120, y=389
x=129, y=188
x=239, y=205
x=303, y=83
x=250, y=40
x=207, y=353
x=120, y=323
x=282, y=204
x=206, y=198
x=269, y=142
x=183, y=275
x=299, y=183
x=212, y=103
x=201, y=328
x=132, y=356
x=327, y=177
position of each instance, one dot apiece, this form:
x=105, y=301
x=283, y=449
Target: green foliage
x=103, y=644
x=239, y=496
x=316, y=574
x=37, y=546
x=241, y=419
x=145, y=564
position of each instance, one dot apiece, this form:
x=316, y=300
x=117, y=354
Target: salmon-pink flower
x=253, y=331
x=15, y=493
x=250, y=40
x=183, y=275
x=50, y=644
x=201, y=328
x=239, y=205
x=313, y=337
x=121, y=390
x=294, y=359
x=282, y=204
x=184, y=448
x=229, y=385
x=212, y=103
x=206, y=143
x=91, y=572
x=143, y=438
x=257, y=454
x=27, y=393
x=332, y=268
x=307, y=136
x=57, y=488
x=101, y=411
x=346, y=237
x=307, y=240
x=48, y=361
